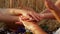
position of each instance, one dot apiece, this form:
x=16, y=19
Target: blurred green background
x=37, y=5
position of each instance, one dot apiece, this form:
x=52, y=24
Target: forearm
x=38, y=30
x=48, y=11
x=56, y=13
x=9, y=11
x=7, y=18
x=47, y=16
x=55, y=10
x=35, y=29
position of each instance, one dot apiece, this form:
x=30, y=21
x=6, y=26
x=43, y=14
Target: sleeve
x=57, y=32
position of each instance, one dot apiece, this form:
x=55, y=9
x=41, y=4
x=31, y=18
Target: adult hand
x=27, y=13
x=12, y=15
x=32, y=26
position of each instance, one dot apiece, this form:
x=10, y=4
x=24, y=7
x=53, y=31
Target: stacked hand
x=31, y=25
x=11, y=16
x=55, y=13
x=12, y=13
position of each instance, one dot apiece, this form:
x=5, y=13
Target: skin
x=34, y=27
x=11, y=17
x=14, y=13
x=47, y=13
x=54, y=10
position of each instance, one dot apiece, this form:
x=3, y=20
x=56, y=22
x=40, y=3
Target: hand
x=32, y=26
x=14, y=14
x=27, y=13
x=27, y=23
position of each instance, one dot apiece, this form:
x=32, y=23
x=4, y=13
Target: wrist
x=37, y=30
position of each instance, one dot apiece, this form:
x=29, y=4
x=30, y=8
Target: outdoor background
x=37, y=5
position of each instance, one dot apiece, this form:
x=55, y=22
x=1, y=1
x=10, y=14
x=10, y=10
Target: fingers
x=30, y=14
x=27, y=24
x=29, y=19
x=35, y=16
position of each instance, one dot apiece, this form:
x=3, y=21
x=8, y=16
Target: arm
x=55, y=10
x=57, y=3
x=8, y=18
x=48, y=11
x=34, y=27
x=47, y=16
x=17, y=12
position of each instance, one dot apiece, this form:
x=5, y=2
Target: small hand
x=30, y=24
